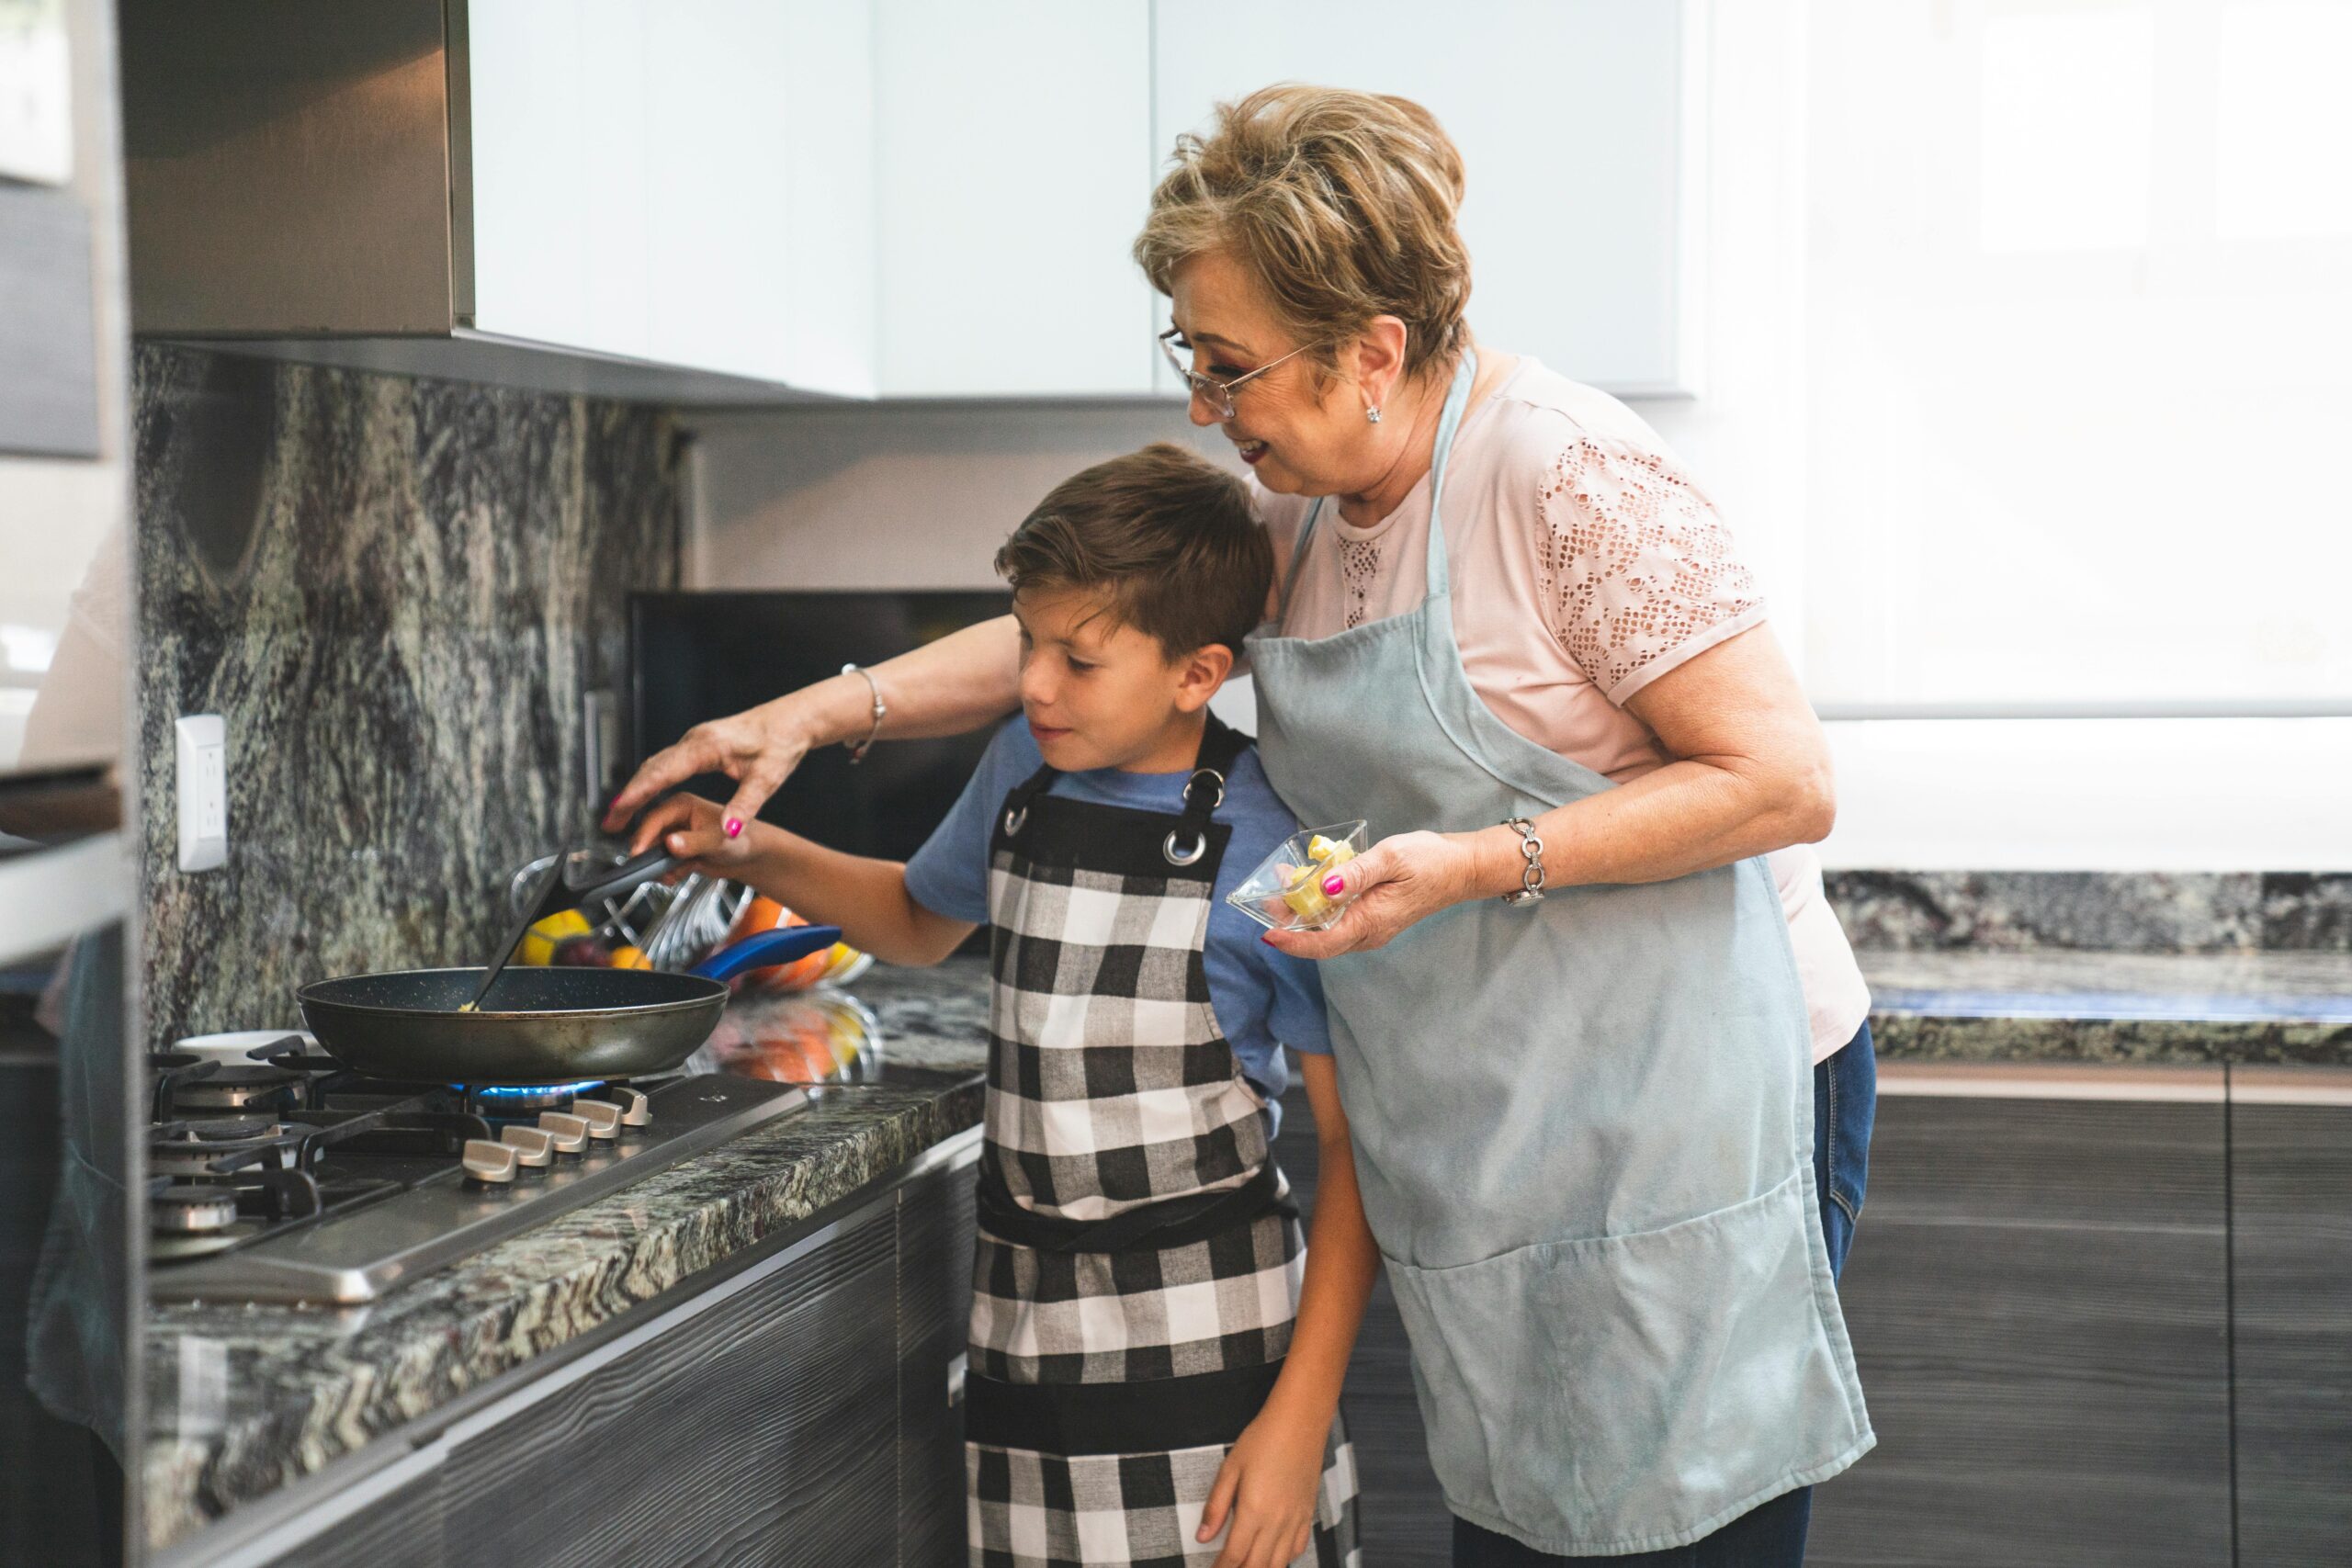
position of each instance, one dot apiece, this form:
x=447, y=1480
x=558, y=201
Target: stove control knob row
x=570, y=1132
x=637, y=1110
x=487, y=1161
x=603, y=1117
x=532, y=1147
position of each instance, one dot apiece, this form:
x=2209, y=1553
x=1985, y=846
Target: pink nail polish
x=734, y=827
x=1332, y=885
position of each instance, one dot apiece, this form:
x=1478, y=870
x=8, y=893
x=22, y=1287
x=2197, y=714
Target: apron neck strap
x=1449, y=421
x=1221, y=746
x=1457, y=399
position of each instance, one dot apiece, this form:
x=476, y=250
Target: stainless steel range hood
x=300, y=180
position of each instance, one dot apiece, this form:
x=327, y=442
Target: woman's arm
x=947, y=687
x=1271, y=1480
x=1752, y=774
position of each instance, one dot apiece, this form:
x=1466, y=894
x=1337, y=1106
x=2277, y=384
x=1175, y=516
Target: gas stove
x=276, y=1175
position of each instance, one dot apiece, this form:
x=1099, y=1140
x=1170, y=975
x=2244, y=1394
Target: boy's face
x=1100, y=694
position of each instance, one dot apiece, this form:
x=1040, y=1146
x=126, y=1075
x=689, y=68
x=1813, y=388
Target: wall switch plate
x=203, y=748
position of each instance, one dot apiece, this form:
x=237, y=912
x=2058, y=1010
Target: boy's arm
x=868, y=899
x=1343, y=1261
x=1268, y=1483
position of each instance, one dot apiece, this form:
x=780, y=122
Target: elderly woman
x=1578, y=982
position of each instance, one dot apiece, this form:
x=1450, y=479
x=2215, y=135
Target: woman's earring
x=1372, y=414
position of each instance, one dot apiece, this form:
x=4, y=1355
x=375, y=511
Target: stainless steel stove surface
x=277, y=1175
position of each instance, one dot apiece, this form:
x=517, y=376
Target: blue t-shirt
x=1264, y=999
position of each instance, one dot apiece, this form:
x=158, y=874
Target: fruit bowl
x=1285, y=893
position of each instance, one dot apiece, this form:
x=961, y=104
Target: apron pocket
x=1631, y=1392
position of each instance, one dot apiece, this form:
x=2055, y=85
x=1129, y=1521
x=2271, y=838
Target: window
x=2078, y=356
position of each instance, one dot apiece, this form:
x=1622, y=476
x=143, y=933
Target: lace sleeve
x=1637, y=568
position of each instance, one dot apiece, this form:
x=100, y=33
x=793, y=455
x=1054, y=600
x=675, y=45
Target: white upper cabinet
x=1013, y=160
x=687, y=183
x=1575, y=121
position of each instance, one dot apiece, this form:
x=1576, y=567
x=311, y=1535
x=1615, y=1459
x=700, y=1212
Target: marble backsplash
x=396, y=592
x=2109, y=911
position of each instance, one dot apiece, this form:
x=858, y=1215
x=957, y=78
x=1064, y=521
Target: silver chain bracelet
x=858, y=749
x=1531, y=875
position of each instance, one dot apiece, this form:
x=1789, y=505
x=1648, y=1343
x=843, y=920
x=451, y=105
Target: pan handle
x=779, y=946
x=630, y=874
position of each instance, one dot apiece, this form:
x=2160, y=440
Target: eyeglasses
x=1217, y=394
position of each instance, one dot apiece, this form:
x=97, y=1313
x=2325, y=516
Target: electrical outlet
x=203, y=752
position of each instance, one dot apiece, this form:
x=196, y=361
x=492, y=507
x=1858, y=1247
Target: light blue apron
x=1583, y=1128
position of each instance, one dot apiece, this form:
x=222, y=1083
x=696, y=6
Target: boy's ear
x=1201, y=672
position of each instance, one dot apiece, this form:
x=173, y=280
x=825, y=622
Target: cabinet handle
x=2265, y=1084
x=2044, y=1080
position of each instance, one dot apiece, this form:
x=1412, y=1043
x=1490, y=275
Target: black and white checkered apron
x=1138, y=1262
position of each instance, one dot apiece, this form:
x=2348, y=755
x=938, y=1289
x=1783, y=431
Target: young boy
x=1151, y=1380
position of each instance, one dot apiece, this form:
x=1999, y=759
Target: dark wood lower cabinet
x=2039, y=1299
x=935, y=1225
x=798, y=1415
x=762, y=1431
x=2290, y=1198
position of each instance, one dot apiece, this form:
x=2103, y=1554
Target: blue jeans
x=1771, y=1535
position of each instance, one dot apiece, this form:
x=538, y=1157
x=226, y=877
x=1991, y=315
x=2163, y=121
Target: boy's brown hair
x=1165, y=536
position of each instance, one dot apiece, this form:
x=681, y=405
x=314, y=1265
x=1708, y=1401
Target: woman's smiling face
x=1302, y=433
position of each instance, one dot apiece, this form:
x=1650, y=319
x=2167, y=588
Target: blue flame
x=512, y=1091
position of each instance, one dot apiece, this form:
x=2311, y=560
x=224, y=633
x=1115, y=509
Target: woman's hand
x=1268, y=1485
x=1397, y=882
x=757, y=748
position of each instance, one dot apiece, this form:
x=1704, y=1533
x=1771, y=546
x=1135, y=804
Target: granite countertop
x=244, y=1399
x=2138, y=1008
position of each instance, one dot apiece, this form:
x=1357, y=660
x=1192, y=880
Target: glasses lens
x=1212, y=392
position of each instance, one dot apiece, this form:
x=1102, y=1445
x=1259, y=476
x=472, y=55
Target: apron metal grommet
x=1183, y=857
x=1014, y=819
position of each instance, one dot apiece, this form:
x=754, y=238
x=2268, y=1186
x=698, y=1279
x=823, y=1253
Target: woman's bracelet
x=858, y=749
x=1530, y=871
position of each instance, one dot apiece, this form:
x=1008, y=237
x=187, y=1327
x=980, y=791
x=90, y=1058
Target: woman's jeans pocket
x=1844, y=1105
x=1610, y=1394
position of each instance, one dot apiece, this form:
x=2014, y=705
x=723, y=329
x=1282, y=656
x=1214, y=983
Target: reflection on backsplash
x=395, y=591
x=2111, y=911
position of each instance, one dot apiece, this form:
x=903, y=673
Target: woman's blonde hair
x=1341, y=204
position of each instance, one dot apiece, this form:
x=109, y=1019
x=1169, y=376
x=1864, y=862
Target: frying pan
x=538, y=1026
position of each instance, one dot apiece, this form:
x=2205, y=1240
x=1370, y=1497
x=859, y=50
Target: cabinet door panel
x=1570, y=118
x=400, y=1529
x=559, y=127
x=1014, y=157
x=935, y=1227
x=2038, y=1297
x=763, y=1431
x=2291, y=1239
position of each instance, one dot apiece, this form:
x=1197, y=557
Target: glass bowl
x=1285, y=893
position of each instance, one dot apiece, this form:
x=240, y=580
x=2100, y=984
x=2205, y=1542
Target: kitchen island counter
x=245, y=1400
x=2140, y=1008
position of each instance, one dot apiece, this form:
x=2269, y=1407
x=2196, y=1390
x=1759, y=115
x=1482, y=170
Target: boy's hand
x=694, y=830
x=1268, y=1486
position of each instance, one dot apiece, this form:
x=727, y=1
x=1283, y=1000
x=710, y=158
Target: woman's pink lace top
x=1585, y=564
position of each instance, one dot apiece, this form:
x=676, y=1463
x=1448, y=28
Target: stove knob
x=533, y=1147
x=637, y=1110
x=488, y=1162
x=570, y=1132
x=603, y=1117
